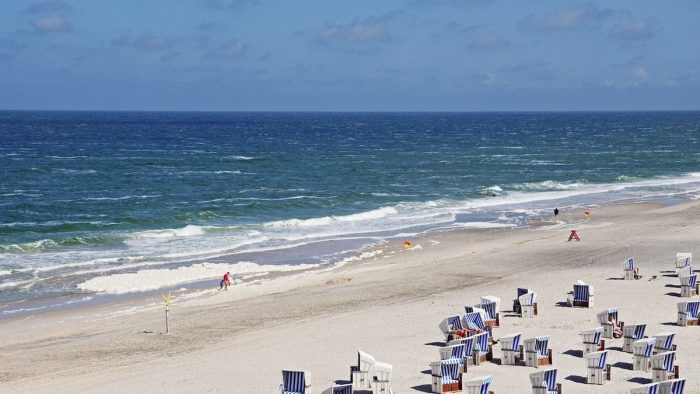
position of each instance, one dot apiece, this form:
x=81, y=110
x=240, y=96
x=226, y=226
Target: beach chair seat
x=537, y=351
x=545, y=382
x=663, y=368
x=689, y=285
x=642, y=351
x=449, y=322
x=674, y=386
x=340, y=389
x=468, y=352
x=295, y=382
x=664, y=342
x=382, y=379
x=362, y=374
x=483, y=350
x=630, y=270
x=592, y=341
x=685, y=271
x=606, y=319
x=510, y=349
x=581, y=296
x=646, y=389
x=688, y=313
x=478, y=385
x=475, y=320
x=632, y=333
x=446, y=376
x=516, y=301
x=598, y=370
x=528, y=304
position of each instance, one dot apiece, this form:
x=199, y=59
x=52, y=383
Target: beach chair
x=475, y=320
x=606, y=319
x=446, y=376
x=452, y=351
x=684, y=259
x=295, y=382
x=382, y=380
x=689, y=285
x=516, y=302
x=510, y=349
x=528, y=304
x=674, y=386
x=664, y=342
x=663, y=368
x=478, y=385
x=592, y=341
x=582, y=296
x=545, y=382
x=631, y=333
x=685, y=271
x=646, y=389
x=448, y=322
x=339, y=389
x=491, y=314
x=482, y=348
x=688, y=313
x=468, y=352
x=537, y=351
x=362, y=374
x=642, y=351
x=630, y=270
x=598, y=371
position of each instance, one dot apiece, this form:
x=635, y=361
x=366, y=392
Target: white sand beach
x=388, y=305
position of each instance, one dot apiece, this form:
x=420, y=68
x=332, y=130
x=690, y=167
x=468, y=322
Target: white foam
x=326, y=220
x=187, y=231
x=152, y=279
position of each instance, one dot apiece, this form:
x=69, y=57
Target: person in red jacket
x=226, y=282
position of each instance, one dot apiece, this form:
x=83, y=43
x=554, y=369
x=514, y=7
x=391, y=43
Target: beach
x=388, y=305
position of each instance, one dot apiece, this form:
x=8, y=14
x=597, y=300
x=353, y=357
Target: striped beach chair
x=647, y=389
x=482, y=348
x=537, y=351
x=675, y=386
x=631, y=333
x=528, y=304
x=662, y=367
x=606, y=319
x=642, y=351
x=468, y=351
x=664, y=342
x=491, y=315
x=545, y=382
x=362, y=374
x=340, y=389
x=598, y=370
x=474, y=321
x=516, y=302
x=582, y=296
x=446, y=376
x=452, y=351
x=630, y=270
x=449, y=322
x=510, y=349
x=685, y=271
x=689, y=285
x=688, y=313
x=592, y=341
x=295, y=382
x=479, y=385
x=684, y=259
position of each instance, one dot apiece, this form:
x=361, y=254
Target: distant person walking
x=226, y=282
x=556, y=213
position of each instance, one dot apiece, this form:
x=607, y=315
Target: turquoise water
x=98, y=194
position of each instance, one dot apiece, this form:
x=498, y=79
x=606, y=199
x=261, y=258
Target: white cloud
x=566, y=18
x=51, y=24
x=640, y=72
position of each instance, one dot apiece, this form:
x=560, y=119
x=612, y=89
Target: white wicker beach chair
x=592, y=341
x=362, y=375
x=674, y=386
x=642, y=351
x=606, y=319
x=632, y=333
x=446, y=376
x=295, y=382
x=510, y=349
x=537, y=351
x=528, y=304
x=582, y=296
x=689, y=285
x=688, y=313
x=545, y=382
x=662, y=367
x=598, y=370
x=478, y=385
x=629, y=269
x=664, y=342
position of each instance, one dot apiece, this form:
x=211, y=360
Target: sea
x=100, y=203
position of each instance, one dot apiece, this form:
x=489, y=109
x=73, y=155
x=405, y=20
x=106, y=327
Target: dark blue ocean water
x=86, y=194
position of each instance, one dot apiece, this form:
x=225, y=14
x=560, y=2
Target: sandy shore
x=389, y=305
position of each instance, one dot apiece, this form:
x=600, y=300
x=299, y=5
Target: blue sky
x=449, y=55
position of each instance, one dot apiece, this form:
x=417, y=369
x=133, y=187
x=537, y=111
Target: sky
x=359, y=55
